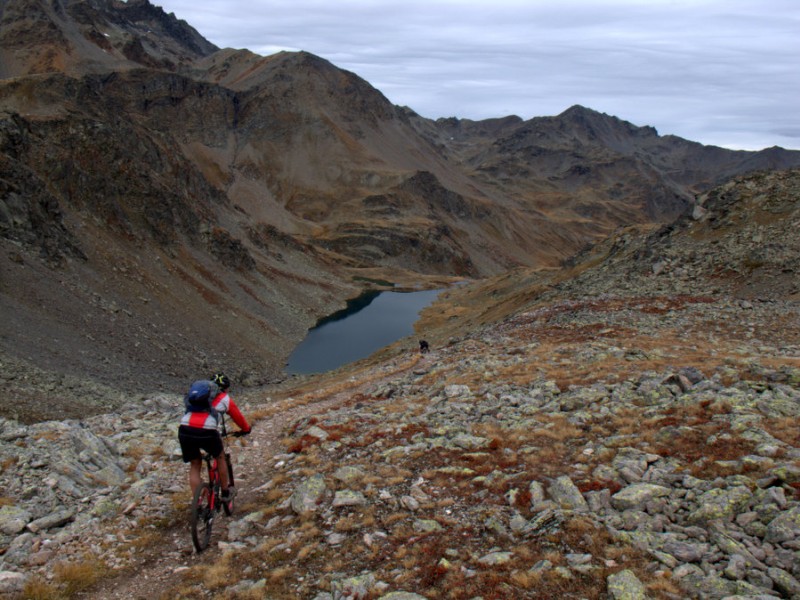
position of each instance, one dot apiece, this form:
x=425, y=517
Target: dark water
x=370, y=322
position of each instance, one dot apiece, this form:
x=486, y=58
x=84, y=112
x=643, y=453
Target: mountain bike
x=207, y=500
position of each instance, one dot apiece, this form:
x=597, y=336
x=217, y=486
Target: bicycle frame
x=207, y=500
x=212, y=466
x=213, y=479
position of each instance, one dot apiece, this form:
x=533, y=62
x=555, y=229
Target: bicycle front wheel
x=202, y=516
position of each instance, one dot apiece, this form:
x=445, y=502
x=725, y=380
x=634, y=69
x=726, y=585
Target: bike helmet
x=222, y=381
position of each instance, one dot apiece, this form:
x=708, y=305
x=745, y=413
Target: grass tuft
x=39, y=589
x=75, y=577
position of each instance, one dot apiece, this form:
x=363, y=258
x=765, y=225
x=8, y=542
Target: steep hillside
x=167, y=207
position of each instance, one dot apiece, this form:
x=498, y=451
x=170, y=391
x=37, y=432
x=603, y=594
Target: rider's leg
x=194, y=473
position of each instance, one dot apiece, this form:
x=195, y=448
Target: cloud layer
x=721, y=72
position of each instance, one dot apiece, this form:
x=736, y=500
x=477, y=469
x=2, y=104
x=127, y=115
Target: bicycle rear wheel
x=202, y=516
x=228, y=506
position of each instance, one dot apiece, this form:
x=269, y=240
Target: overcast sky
x=721, y=72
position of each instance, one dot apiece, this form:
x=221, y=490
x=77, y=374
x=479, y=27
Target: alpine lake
x=369, y=322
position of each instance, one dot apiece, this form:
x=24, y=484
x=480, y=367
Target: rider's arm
x=237, y=415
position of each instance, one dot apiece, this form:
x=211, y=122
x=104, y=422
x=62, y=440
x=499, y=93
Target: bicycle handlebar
x=226, y=433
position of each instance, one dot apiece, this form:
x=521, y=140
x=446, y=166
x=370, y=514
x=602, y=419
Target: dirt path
x=161, y=564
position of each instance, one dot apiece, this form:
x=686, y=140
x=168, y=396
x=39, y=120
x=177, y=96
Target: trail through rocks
x=161, y=564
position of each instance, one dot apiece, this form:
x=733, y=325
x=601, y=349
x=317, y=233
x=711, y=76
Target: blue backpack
x=199, y=397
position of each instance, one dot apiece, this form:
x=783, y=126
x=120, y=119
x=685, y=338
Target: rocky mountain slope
x=167, y=207
x=93, y=36
x=739, y=241
x=624, y=429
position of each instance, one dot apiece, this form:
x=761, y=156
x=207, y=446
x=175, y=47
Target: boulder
x=785, y=527
x=13, y=519
x=12, y=582
x=566, y=494
x=309, y=494
x=348, y=498
x=625, y=586
x=637, y=495
x=720, y=504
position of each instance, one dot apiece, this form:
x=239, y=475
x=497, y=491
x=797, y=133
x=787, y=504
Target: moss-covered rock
x=720, y=504
x=625, y=586
x=309, y=494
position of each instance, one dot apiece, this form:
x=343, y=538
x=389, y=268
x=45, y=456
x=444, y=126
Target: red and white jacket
x=223, y=403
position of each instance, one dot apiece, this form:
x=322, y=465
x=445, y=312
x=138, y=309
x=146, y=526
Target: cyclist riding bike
x=198, y=431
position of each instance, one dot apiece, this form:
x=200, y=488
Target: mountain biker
x=198, y=430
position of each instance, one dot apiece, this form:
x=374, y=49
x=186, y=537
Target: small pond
x=370, y=322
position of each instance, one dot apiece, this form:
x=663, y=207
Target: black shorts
x=194, y=439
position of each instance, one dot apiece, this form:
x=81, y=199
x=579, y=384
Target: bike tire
x=228, y=506
x=202, y=516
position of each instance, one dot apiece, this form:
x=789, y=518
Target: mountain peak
x=595, y=123
x=576, y=110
